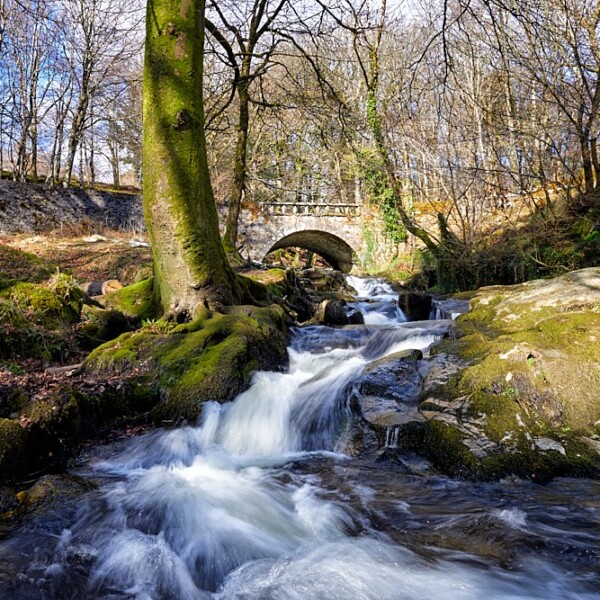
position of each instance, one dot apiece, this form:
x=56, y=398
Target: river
x=263, y=499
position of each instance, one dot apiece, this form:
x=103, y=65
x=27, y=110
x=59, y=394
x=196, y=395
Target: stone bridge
x=333, y=231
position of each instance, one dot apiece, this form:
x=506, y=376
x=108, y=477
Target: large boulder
x=416, y=306
x=517, y=392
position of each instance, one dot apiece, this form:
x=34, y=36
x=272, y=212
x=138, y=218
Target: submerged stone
x=416, y=306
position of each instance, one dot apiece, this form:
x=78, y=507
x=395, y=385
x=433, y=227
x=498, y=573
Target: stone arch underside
x=331, y=247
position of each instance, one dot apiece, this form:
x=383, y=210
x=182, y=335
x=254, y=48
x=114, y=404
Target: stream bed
x=263, y=499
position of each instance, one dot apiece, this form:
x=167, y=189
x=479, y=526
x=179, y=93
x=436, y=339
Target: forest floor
x=87, y=256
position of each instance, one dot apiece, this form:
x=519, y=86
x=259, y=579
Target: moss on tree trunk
x=190, y=266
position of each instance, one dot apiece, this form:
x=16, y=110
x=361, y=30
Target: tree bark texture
x=190, y=267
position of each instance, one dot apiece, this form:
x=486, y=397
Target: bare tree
x=103, y=41
x=247, y=36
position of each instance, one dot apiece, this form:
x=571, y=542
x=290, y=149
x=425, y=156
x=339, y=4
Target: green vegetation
x=211, y=358
x=550, y=244
x=137, y=302
x=16, y=266
x=380, y=194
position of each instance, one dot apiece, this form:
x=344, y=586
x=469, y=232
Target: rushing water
x=260, y=501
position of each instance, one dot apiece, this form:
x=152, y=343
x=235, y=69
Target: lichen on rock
x=529, y=371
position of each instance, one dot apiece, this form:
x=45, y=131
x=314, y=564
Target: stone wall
x=37, y=208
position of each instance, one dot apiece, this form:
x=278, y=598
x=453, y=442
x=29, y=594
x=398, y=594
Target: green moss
x=54, y=426
x=12, y=447
x=117, y=356
x=70, y=295
x=531, y=372
x=17, y=266
x=136, y=301
x=211, y=358
x=101, y=326
x=502, y=416
x=275, y=281
x=41, y=303
x=22, y=336
x=448, y=451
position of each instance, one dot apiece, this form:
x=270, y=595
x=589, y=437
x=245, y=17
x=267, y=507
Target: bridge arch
x=332, y=248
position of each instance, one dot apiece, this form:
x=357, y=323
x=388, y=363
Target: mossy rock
x=525, y=399
x=12, y=447
x=211, y=358
x=18, y=266
x=50, y=491
x=70, y=295
x=8, y=501
x=101, y=326
x=53, y=425
x=276, y=280
x=137, y=302
x=539, y=343
x=41, y=303
x=12, y=401
x=35, y=319
x=21, y=336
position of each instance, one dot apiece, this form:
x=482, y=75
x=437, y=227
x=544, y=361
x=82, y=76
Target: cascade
x=262, y=499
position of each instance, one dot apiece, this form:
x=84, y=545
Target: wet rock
x=450, y=308
x=333, y=312
x=313, y=273
x=355, y=317
x=396, y=377
x=8, y=499
x=386, y=395
x=51, y=491
x=416, y=306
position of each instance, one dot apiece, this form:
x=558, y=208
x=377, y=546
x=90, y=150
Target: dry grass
x=110, y=257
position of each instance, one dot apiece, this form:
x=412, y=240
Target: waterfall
x=260, y=500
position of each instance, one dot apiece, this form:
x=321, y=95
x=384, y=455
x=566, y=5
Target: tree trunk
x=588, y=169
x=595, y=164
x=76, y=135
x=190, y=267
x=239, y=174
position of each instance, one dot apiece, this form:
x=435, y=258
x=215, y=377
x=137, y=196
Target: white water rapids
x=238, y=506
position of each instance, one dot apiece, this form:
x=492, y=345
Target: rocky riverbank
x=513, y=391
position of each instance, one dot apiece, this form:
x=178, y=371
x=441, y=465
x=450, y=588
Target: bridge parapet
x=311, y=209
